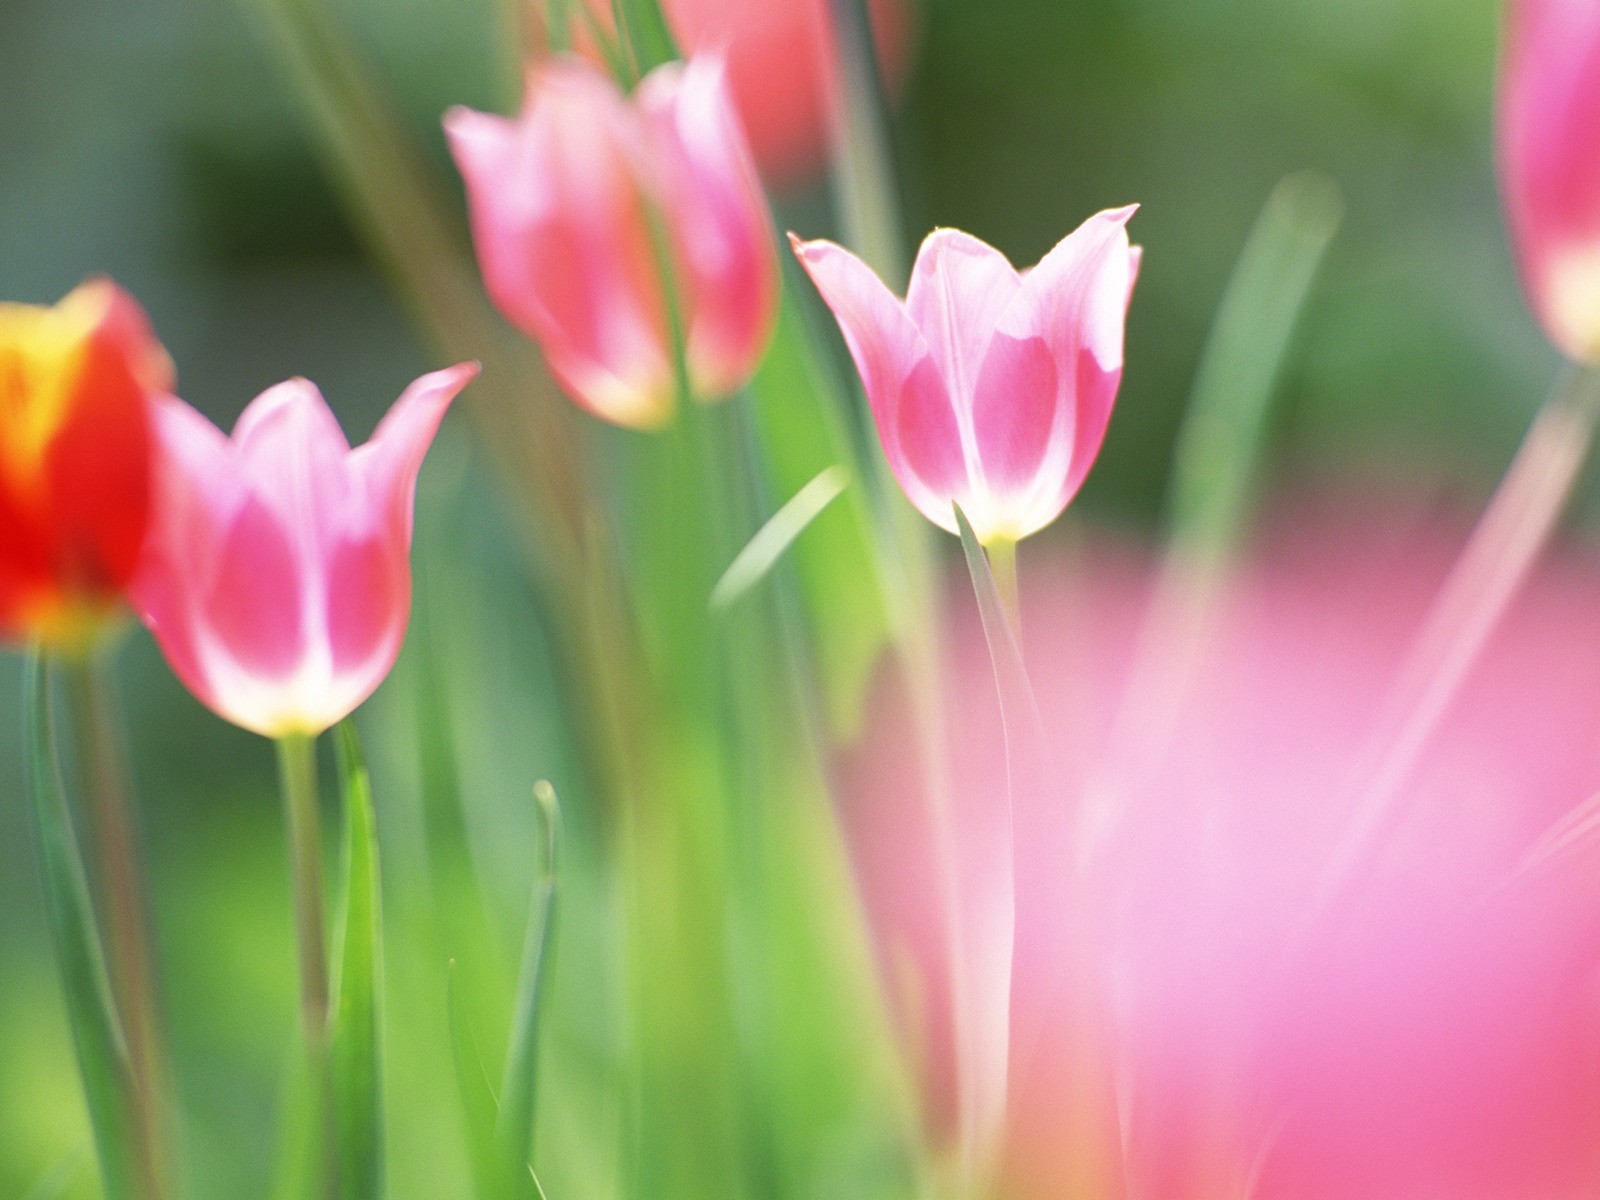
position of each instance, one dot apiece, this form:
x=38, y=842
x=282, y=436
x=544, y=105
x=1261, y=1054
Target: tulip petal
x=718, y=216
x=905, y=388
x=1549, y=122
x=254, y=609
x=198, y=495
x=959, y=288
x=1073, y=306
x=389, y=464
x=561, y=225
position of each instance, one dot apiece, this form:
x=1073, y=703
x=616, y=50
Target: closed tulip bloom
x=75, y=388
x=565, y=203
x=1549, y=146
x=990, y=388
x=277, y=579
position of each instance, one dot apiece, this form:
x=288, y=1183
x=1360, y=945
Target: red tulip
x=75, y=387
x=990, y=388
x=564, y=201
x=1549, y=144
x=277, y=579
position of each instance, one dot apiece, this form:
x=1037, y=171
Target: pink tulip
x=1193, y=1015
x=562, y=202
x=781, y=67
x=1549, y=142
x=277, y=577
x=990, y=388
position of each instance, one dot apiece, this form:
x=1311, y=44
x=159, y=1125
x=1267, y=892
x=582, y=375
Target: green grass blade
x=865, y=187
x=1243, y=361
x=478, y=1103
x=644, y=33
x=102, y=1059
x=519, y=1089
x=763, y=551
x=357, y=1000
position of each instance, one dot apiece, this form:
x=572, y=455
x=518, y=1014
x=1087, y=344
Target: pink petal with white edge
x=1039, y=429
x=718, y=215
x=907, y=393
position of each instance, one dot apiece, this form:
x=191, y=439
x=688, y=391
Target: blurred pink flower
x=990, y=388
x=1195, y=1010
x=1549, y=144
x=562, y=201
x=781, y=68
x=277, y=577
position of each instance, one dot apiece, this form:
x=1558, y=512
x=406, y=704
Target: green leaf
x=478, y=1103
x=102, y=1058
x=519, y=1089
x=58, y=1180
x=358, y=986
x=764, y=550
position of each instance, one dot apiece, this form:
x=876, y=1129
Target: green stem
x=297, y=776
x=119, y=892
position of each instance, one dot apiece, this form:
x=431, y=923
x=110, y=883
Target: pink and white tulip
x=563, y=200
x=1549, y=145
x=991, y=388
x=277, y=574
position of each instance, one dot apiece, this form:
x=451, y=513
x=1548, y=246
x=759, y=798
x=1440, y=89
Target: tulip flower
x=781, y=68
x=990, y=388
x=1549, y=143
x=277, y=577
x=578, y=203
x=75, y=388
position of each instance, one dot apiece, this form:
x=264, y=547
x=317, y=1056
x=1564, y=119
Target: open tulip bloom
x=990, y=388
x=568, y=202
x=278, y=577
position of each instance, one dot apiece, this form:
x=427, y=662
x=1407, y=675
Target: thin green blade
x=519, y=1091
x=763, y=551
x=1243, y=360
x=102, y=1059
x=357, y=998
x=477, y=1097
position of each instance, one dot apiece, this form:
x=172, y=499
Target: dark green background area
x=151, y=140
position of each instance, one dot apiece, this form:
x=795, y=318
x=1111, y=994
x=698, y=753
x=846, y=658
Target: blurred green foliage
x=153, y=142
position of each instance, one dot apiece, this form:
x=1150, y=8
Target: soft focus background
x=155, y=142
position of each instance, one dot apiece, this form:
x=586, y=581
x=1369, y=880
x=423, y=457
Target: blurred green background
x=153, y=141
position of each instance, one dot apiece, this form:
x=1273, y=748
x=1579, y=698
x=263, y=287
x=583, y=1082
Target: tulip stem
x=119, y=891
x=1002, y=554
x=297, y=776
